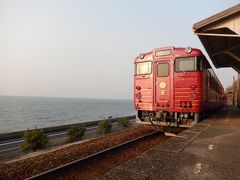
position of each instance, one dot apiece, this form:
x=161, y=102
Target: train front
x=168, y=88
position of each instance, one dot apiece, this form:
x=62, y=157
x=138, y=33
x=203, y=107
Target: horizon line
x=63, y=97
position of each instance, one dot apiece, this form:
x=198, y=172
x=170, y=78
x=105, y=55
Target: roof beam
x=232, y=55
x=227, y=49
x=214, y=34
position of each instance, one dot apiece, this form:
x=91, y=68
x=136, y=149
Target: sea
x=22, y=113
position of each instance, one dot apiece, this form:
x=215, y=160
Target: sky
x=86, y=49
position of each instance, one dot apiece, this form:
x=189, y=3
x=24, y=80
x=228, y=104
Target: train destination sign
x=163, y=52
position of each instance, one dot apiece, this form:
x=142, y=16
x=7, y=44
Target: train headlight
x=141, y=55
x=138, y=87
x=188, y=50
x=138, y=96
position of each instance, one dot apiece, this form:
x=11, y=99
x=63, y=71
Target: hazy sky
x=67, y=48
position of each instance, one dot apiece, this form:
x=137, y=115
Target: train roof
x=167, y=51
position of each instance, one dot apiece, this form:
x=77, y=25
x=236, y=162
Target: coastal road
x=11, y=148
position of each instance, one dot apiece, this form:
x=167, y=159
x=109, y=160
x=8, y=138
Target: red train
x=175, y=86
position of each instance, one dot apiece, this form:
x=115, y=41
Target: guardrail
x=19, y=134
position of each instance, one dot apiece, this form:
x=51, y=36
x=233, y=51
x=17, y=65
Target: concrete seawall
x=19, y=134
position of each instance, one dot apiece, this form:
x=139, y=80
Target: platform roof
x=220, y=36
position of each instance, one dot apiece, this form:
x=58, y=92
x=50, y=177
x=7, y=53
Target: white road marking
x=13, y=142
x=9, y=149
x=55, y=134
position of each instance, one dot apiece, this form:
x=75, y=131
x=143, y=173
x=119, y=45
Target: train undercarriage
x=165, y=118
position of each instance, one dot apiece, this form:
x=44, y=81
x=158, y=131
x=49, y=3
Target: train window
x=143, y=68
x=188, y=64
x=163, y=69
x=200, y=60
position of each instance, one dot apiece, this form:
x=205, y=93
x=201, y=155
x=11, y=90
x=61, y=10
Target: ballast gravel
x=34, y=165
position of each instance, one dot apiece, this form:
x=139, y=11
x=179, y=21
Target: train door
x=164, y=86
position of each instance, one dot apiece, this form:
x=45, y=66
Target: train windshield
x=188, y=64
x=143, y=68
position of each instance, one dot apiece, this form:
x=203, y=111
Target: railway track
x=65, y=169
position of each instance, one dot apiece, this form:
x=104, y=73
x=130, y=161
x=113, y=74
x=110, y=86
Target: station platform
x=208, y=150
